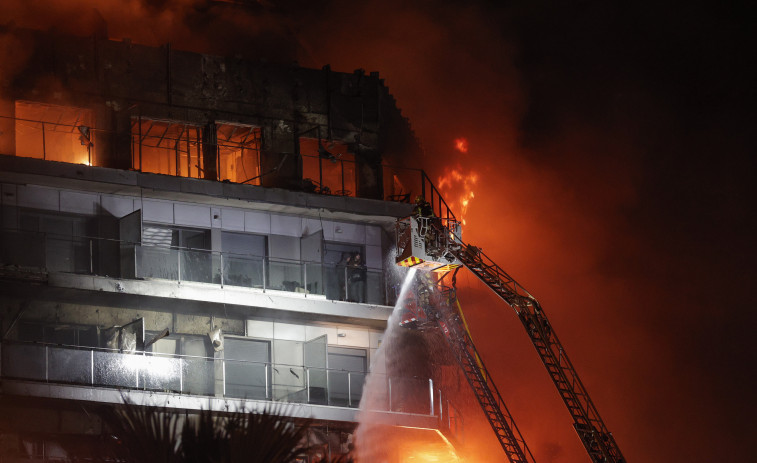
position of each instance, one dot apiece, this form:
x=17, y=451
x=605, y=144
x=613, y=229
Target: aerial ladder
x=433, y=244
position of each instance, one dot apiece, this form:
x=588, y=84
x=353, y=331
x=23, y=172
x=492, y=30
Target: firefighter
x=427, y=222
x=426, y=288
x=422, y=207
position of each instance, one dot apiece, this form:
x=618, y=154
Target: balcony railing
x=179, y=152
x=107, y=257
x=207, y=376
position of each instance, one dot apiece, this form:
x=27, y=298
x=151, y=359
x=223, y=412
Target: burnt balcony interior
x=163, y=111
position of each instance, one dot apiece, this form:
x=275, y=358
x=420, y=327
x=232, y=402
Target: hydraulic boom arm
x=594, y=435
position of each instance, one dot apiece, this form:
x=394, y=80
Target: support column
x=210, y=152
x=7, y=126
x=111, y=138
x=279, y=166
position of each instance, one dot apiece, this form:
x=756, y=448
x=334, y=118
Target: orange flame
x=457, y=186
x=461, y=144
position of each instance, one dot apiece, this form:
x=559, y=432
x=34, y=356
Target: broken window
x=329, y=166
x=167, y=147
x=54, y=133
x=238, y=153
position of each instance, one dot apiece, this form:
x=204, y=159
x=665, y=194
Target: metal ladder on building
x=462, y=347
x=594, y=435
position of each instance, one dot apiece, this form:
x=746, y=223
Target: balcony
x=46, y=252
x=179, y=149
x=57, y=364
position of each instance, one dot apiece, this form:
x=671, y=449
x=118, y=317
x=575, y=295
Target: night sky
x=614, y=153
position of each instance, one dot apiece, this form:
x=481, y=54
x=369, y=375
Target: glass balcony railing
x=106, y=257
x=207, y=376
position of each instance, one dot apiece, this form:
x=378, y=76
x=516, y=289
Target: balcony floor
x=274, y=301
x=219, y=404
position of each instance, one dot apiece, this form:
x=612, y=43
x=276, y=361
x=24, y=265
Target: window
x=243, y=259
x=347, y=369
x=198, y=365
x=335, y=258
x=166, y=147
x=247, y=362
x=55, y=133
x=56, y=239
x=330, y=166
x=176, y=254
x=238, y=153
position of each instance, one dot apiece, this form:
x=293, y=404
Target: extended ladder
x=461, y=345
x=594, y=435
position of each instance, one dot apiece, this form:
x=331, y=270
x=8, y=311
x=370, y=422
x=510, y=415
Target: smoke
x=614, y=152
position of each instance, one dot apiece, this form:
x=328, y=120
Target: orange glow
x=53, y=132
x=456, y=185
x=461, y=144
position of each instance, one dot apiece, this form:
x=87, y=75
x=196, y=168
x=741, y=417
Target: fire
x=461, y=144
x=456, y=185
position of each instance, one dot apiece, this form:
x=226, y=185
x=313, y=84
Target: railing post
x=92, y=367
x=349, y=388
x=263, y=260
x=47, y=364
x=346, y=285
x=221, y=264
x=305, y=277
x=223, y=372
x=181, y=374
x=431, y=395
x=266, y=382
x=178, y=264
x=91, y=259
x=307, y=383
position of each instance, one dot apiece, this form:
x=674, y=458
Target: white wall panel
x=79, y=203
x=191, y=215
x=312, y=332
x=352, y=337
x=310, y=226
x=284, y=247
x=117, y=206
x=288, y=331
x=232, y=219
x=344, y=232
x=38, y=197
x=373, y=257
x=286, y=225
x=215, y=217
x=157, y=211
x=257, y=222
x=328, y=230
x=373, y=235
x=260, y=329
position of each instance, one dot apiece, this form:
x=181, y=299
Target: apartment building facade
x=195, y=232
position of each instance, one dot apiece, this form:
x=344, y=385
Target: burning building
x=196, y=232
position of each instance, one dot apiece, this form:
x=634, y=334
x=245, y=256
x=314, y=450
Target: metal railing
x=116, y=258
x=208, y=376
x=335, y=282
x=78, y=143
